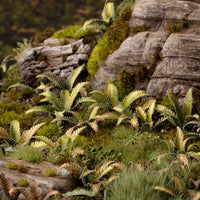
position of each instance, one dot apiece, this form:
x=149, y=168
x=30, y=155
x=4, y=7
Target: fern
x=26, y=87
x=54, y=79
x=15, y=130
x=48, y=109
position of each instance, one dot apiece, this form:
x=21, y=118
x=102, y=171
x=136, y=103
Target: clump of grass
x=11, y=165
x=28, y=153
x=23, y=182
x=50, y=172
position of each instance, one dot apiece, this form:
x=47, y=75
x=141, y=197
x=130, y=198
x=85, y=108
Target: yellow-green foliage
x=49, y=130
x=70, y=32
x=11, y=165
x=111, y=41
x=7, y=117
x=23, y=182
x=178, y=27
x=27, y=153
x=138, y=29
x=126, y=83
x=50, y=172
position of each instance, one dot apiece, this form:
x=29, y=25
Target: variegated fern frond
x=28, y=134
x=54, y=79
x=45, y=140
x=5, y=186
x=187, y=104
x=72, y=77
x=24, y=86
x=45, y=108
x=15, y=130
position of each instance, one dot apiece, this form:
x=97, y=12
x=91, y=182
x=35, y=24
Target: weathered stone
x=172, y=60
x=36, y=172
x=52, y=57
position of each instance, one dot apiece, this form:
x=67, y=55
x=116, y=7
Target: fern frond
x=27, y=135
x=112, y=92
x=133, y=96
x=15, y=130
x=74, y=134
x=15, y=193
x=44, y=139
x=93, y=112
x=95, y=24
x=48, y=109
x=72, y=77
x=150, y=112
x=44, y=87
x=121, y=119
x=78, y=151
x=50, y=96
x=5, y=186
x=141, y=113
x=83, y=100
x=94, y=126
x=108, y=12
x=170, y=145
x=161, y=120
x=187, y=104
x=38, y=144
x=26, y=193
x=123, y=5
x=54, y=79
x=74, y=94
x=180, y=185
x=177, y=108
x=108, y=115
x=71, y=167
x=24, y=86
x=81, y=192
x=164, y=189
x=179, y=139
x=4, y=133
x=134, y=122
x=51, y=193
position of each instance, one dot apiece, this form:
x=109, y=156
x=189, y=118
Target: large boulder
x=53, y=57
x=169, y=49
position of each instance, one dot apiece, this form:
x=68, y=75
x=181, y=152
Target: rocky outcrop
x=36, y=173
x=169, y=49
x=53, y=57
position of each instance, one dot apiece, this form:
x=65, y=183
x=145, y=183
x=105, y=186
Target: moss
x=11, y=165
x=141, y=74
x=50, y=172
x=72, y=32
x=178, y=27
x=64, y=42
x=126, y=83
x=23, y=182
x=44, y=35
x=49, y=130
x=138, y=29
x=39, y=57
x=64, y=57
x=111, y=41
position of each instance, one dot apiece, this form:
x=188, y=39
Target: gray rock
x=52, y=57
x=178, y=68
x=36, y=173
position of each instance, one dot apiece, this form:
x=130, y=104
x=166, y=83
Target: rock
x=171, y=59
x=52, y=57
x=61, y=183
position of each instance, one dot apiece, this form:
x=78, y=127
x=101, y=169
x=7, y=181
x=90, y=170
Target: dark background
x=26, y=18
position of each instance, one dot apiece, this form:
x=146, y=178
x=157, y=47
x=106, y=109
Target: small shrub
x=23, y=182
x=50, y=172
x=11, y=165
x=28, y=153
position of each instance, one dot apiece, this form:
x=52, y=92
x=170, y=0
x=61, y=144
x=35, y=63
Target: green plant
x=137, y=184
x=111, y=41
x=15, y=137
x=22, y=46
x=23, y=182
x=181, y=115
x=108, y=16
x=73, y=32
x=178, y=27
x=64, y=146
x=27, y=153
x=101, y=176
x=44, y=35
x=11, y=165
x=50, y=172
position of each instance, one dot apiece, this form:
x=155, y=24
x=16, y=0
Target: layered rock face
x=52, y=57
x=169, y=49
